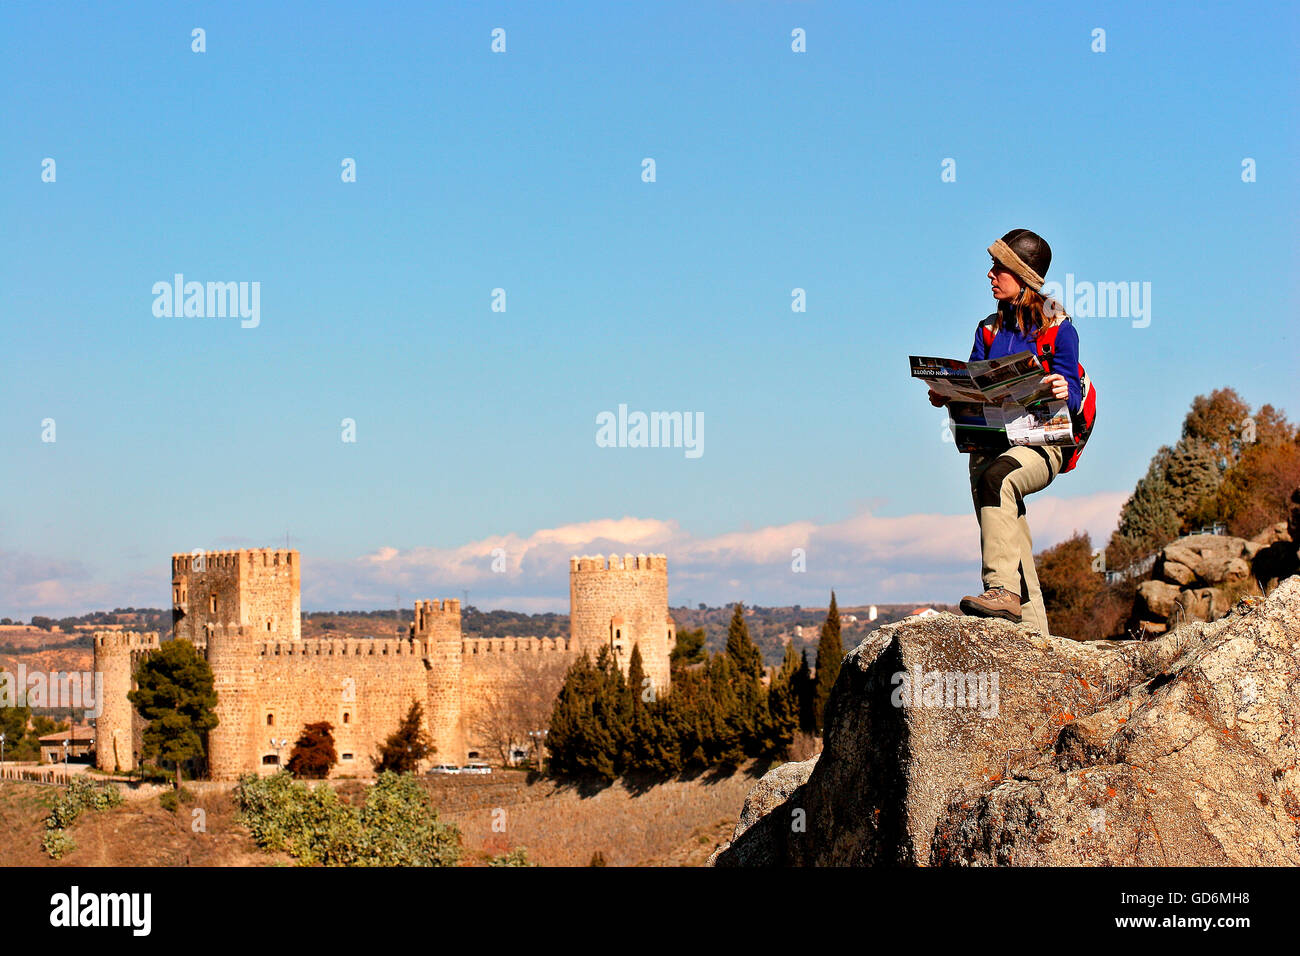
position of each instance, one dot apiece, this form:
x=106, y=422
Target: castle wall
x=258, y=589
x=511, y=671
x=241, y=608
x=118, y=727
x=363, y=688
x=621, y=603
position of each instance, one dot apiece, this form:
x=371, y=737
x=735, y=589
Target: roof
x=81, y=732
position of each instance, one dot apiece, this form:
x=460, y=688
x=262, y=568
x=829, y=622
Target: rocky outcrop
x=1200, y=576
x=967, y=741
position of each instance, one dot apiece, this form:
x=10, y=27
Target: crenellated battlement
x=449, y=606
x=108, y=642
x=512, y=645
x=436, y=620
x=628, y=562
x=337, y=647
x=250, y=558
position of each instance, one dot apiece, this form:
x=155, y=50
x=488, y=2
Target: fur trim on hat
x=1007, y=256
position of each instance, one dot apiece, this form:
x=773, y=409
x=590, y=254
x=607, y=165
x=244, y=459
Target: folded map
x=997, y=402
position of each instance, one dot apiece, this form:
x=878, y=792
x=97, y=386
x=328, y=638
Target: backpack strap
x=986, y=329
x=1045, y=344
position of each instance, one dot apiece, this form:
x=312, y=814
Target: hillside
x=677, y=823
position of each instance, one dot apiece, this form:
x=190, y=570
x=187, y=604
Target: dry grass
x=138, y=833
x=676, y=823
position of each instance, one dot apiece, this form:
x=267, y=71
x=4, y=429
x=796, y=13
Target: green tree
x=175, y=694
x=406, y=746
x=830, y=651
x=1149, y=519
x=806, y=695
x=750, y=716
x=783, y=704
x=636, y=688
x=1192, y=475
x=689, y=648
x=586, y=727
x=313, y=754
x=13, y=719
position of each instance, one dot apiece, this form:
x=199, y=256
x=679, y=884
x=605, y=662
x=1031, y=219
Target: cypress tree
x=805, y=695
x=636, y=751
x=750, y=715
x=783, y=705
x=829, y=654
x=723, y=737
x=612, y=713
x=635, y=681
x=579, y=737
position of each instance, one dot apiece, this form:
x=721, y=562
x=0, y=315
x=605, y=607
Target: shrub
x=400, y=826
x=57, y=843
x=171, y=800
x=80, y=795
x=397, y=825
x=516, y=857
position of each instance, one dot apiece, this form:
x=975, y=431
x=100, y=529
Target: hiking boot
x=995, y=602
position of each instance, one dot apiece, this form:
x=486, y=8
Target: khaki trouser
x=999, y=484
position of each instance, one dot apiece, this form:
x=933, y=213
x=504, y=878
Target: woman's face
x=1005, y=284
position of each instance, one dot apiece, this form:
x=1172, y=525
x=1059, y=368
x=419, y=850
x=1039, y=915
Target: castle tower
x=437, y=627
x=622, y=603
x=117, y=728
x=232, y=745
x=254, y=588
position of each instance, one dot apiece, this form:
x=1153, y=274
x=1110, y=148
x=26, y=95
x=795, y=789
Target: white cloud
x=866, y=557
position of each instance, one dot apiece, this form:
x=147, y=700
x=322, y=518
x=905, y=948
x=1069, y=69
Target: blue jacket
x=1009, y=341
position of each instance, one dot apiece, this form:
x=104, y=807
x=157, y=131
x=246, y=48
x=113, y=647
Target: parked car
x=476, y=768
x=443, y=768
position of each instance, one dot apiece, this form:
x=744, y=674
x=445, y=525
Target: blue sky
x=522, y=170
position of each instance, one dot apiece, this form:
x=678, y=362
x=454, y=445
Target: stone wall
x=620, y=603
x=241, y=610
x=118, y=728
x=257, y=588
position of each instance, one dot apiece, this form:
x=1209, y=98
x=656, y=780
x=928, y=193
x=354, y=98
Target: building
x=241, y=609
x=80, y=741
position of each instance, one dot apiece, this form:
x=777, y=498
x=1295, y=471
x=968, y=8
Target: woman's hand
x=1060, y=388
x=938, y=400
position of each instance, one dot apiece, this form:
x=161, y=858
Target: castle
x=241, y=610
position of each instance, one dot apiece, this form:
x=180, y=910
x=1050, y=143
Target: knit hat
x=1025, y=253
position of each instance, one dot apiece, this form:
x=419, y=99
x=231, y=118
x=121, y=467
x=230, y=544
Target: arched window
x=270, y=720
x=347, y=718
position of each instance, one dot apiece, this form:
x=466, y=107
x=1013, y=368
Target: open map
x=997, y=402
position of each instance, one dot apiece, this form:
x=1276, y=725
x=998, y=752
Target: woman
x=1000, y=479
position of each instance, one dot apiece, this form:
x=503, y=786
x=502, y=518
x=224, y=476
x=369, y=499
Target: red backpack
x=1086, y=416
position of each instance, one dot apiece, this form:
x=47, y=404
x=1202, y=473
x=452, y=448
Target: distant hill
x=770, y=627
